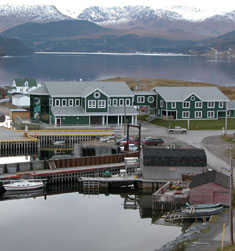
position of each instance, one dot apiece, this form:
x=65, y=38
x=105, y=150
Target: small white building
x=21, y=100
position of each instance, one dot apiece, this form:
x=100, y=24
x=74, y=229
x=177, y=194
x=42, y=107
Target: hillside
x=84, y=36
x=13, y=47
x=146, y=84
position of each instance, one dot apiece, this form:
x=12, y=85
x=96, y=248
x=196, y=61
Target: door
x=58, y=122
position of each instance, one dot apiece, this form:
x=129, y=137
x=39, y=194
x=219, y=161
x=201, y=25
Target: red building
x=210, y=187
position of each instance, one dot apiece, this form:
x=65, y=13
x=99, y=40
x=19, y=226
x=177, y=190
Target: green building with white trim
x=83, y=103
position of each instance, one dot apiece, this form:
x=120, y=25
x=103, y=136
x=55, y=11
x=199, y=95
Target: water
x=88, y=67
x=73, y=221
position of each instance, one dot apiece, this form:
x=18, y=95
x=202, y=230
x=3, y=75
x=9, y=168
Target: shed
x=210, y=187
x=22, y=113
x=21, y=100
x=171, y=164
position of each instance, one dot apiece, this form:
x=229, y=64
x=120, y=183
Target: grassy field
x=197, y=124
x=146, y=84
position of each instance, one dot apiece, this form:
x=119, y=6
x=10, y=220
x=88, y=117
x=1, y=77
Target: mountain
x=12, y=15
x=12, y=47
x=84, y=36
x=171, y=23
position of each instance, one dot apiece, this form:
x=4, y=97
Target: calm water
x=73, y=221
x=99, y=66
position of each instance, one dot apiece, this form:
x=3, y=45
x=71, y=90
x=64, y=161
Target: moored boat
x=20, y=185
x=200, y=212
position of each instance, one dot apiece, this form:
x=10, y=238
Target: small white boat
x=23, y=185
x=59, y=142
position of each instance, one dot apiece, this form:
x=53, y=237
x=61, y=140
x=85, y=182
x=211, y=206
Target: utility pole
x=124, y=118
x=231, y=197
x=226, y=120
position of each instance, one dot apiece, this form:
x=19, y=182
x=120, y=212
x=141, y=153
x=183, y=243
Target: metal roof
x=83, y=89
x=182, y=93
x=231, y=105
x=42, y=90
x=67, y=111
x=144, y=92
x=113, y=110
x=208, y=177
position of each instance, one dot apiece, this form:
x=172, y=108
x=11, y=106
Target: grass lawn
x=197, y=124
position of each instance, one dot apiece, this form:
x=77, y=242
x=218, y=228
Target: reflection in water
x=63, y=218
x=46, y=67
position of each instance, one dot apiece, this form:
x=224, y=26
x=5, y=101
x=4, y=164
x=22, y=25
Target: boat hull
x=22, y=186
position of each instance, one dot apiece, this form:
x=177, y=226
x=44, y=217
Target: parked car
x=123, y=142
x=132, y=148
x=177, y=129
x=152, y=141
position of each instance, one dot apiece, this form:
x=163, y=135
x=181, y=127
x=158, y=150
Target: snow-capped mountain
x=12, y=15
x=35, y=12
x=106, y=16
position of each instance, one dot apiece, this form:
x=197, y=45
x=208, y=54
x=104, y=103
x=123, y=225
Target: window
x=109, y=102
x=140, y=99
x=198, y=104
x=77, y=102
x=221, y=104
x=211, y=104
x=210, y=114
x=50, y=101
x=121, y=102
x=91, y=103
x=229, y=113
x=64, y=102
x=115, y=102
x=96, y=94
x=173, y=104
x=185, y=115
x=186, y=104
x=57, y=102
x=161, y=103
x=150, y=99
x=128, y=102
x=101, y=103
x=198, y=114
x=70, y=102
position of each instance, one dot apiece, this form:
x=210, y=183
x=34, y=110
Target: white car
x=132, y=148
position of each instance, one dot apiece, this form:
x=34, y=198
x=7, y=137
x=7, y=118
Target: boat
x=58, y=142
x=20, y=185
x=209, y=205
x=201, y=212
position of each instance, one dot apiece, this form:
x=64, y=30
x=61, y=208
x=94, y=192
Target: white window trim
x=91, y=103
x=77, y=100
x=198, y=104
x=63, y=102
x=210, y=112
x=211, y=103
x=221, y=104
x=70, y=101
x=101, y=103
x=50, y=101
x=198, y=112
x=228, y=113
x=121, y=101
x=115, y=102
x=141, y=99
x=128, y=102
x=58, y=102
x=161, y=103
x=186, y=106
x=173, y=105
x=109, y=102
x=185, y=112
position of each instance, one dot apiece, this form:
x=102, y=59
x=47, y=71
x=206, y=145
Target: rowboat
x=200, y=212
x=20, y=185
x=209, y=205
x=59, y=142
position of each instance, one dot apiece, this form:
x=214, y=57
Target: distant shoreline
x=116, y=53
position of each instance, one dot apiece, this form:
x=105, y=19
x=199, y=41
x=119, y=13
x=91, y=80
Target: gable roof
x=208, y=177
x=75, y=89
x=181, y=93
x=20, y=82
x=42, y=90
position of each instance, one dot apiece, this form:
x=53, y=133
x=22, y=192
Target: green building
x=183, y=103
x=83, y=103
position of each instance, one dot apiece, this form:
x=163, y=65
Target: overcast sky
x=80, y=5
